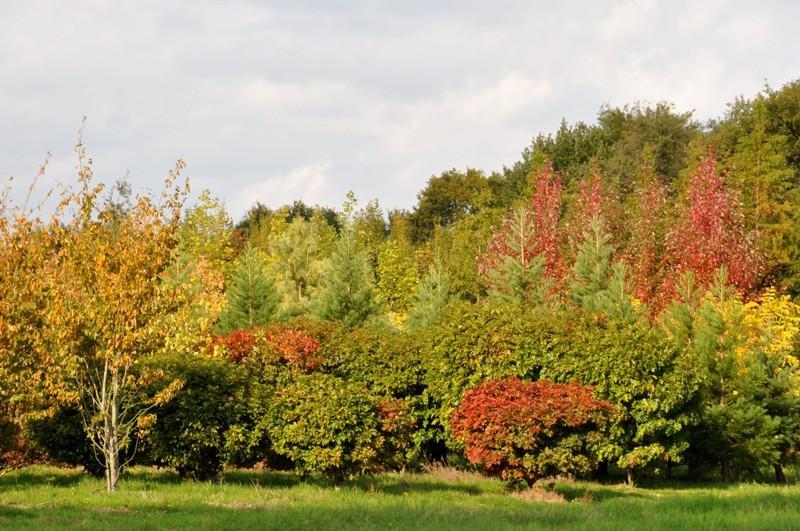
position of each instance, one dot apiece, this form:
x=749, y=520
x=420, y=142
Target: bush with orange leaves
x=524, y=431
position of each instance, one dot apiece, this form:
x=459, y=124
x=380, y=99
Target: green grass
x=50, y=498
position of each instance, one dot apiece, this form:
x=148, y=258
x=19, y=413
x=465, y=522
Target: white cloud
x=305, y=182
x=263, y=93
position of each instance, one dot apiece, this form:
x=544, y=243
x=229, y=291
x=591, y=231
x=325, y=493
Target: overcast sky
x=273, y=101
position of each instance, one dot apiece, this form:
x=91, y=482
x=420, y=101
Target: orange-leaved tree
x=104, y=306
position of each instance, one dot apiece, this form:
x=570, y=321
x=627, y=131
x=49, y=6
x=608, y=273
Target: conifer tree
x=513, y=268
x=346, y=293
x=433, y=295
x=598, y=285
x=252, y=295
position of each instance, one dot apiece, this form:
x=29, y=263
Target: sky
x=276, y=101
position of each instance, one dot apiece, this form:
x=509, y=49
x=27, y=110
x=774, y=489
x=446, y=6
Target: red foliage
x=590, y=206
x=547, y=202
x=237, y=345
x=711, y=234
x=296, y=348
x=645, y=250
x=511, y=427
x=530, y=231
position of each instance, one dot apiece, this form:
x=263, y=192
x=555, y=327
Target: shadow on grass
x=36, y=477
x=392, y=484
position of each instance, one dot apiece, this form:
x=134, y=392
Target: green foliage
x=598, y=285
x=397, y=275
x=61, y=437
x=346, y=294
x=448, y=198
x=252, y=296
x=652, y=384
x=479, y=342
x=206, y=231
x=432, y=297
x=327, y=424
x=300, y=253
x=190, y=433
x=388, y=364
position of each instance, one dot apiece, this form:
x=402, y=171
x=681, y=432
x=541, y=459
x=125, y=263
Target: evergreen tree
x=513, y=268
x=738, y=429
x=300, y=252
x=252, y=295
x=433, y=295
x=598, y=285
x=346, y=293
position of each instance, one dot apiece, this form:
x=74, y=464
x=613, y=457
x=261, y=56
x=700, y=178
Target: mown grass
x=50, y=498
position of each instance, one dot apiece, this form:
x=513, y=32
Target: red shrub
x=296, y=348
x=237, y=345
x=527, y=430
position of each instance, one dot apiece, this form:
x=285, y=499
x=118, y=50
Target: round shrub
x=528, y=430
x=191, y=431
x=329, y=425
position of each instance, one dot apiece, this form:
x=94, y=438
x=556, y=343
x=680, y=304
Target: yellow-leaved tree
x=104, y=307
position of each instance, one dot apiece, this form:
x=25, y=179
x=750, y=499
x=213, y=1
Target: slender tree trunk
x=631, y=475
x=780, y=478
x=110, y=409
x=725, y=469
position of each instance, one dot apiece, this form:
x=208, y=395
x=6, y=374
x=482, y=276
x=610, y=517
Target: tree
x=102, y=304
x=512, y=267
x=447, y=198
x=432, y=297
x=647, y=227
x=547, y=203
x=529, y=430
x=598, y=284
x=346, y=294
x=768, y=192
x=206, y=232
x=252, y=296
x=397, y=275
x=710, y=234
x=299, y=259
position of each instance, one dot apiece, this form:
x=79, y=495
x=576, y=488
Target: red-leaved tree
x=645, y=250
x=547, y=202
x=529, y=430
x=710, y=234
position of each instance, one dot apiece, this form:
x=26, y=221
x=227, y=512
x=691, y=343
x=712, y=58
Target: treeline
x=622, y=295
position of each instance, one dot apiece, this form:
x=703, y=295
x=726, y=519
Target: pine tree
x=252, y=295
x=739, y=430
x=513, y=269
x=433, y=295
x=592, y=266
x=346, y=294
x=598, y=284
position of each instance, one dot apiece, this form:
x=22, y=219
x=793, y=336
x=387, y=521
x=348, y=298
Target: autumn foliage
x=528, y=430
x=710, y=234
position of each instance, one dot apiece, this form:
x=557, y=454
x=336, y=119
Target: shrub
x=191, y=431
x=481, y=342
x=237, y=345
x=528, y=430
x=296, y=349
x=329, y=425
x=61, y=437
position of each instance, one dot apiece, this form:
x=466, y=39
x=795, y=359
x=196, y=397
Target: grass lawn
x=51, y=498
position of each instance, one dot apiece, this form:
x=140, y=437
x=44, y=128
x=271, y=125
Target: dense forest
x=620, y=298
